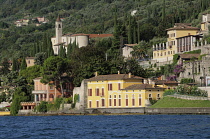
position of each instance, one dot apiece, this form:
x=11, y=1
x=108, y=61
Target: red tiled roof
x=114, y=77
x=183, y=26
x=188, y=56
x=130, y=45
x=79, y=34
x=100, y=35
x=142, y=86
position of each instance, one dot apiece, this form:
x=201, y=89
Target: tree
x=15, y=65
x=53, y=70
x=18, y=97
x=5, y=67
x=31, y=73
x=62, y=52
x=39, y=58
x=23, y=64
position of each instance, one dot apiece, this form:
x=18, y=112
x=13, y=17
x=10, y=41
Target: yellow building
x=120, y=91
x=164, y=52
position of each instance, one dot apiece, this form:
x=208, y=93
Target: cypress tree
x=14, y=64
x=130, y=32
x=62, y=52
x=116, y=40
x=138, y=32
x=23, y=64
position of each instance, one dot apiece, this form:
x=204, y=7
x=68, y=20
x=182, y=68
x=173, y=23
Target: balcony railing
x=39, y=92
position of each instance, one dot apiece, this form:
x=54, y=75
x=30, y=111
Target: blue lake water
x=105, y=127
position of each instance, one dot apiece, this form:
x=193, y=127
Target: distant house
x=30, y=61
x=22, y=22
x=181, y=33
x=127, y=49
x=49, y=92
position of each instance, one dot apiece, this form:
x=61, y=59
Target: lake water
x=96, y=127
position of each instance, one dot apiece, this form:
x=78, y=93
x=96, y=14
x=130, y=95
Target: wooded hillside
x=151, y=19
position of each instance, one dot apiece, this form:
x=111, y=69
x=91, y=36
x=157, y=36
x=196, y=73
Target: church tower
x=58, y=30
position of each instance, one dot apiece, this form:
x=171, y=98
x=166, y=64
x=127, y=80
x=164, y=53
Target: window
x=89, y=92
x=126, y=100
x=119, y=86
x=90, y=104
x=110, y=100
x=158, y=96
x=28, y=61
x=115, y=100
x=110, y=87
x=119, y=100
x=97, y=103
x=97, y=92
x=150, y=96
x=102, y=102
x=133, y=100
x=102, y=92
x=51, y=87
x=139, y=99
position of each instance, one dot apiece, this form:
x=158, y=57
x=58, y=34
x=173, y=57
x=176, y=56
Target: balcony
x=39, y=92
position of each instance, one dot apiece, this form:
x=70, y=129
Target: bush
x=186, y=80
x=190, y=90
x=42, y=107
x=169, y=92
x=69, y=100
x=153, y=101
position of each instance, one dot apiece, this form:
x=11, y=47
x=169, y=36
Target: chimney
x=129, y=75
x=96, y=73
x=118, y=72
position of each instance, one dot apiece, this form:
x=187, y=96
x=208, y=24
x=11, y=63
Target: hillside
x=151, y=19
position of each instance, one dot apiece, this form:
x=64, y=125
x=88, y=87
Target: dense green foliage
x=151, y=19
x=190, y=90
x=171, y=102
x=169, y=92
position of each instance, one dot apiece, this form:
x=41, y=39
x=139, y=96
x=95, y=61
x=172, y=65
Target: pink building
x=48, y=92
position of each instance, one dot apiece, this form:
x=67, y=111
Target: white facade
x=82, y=40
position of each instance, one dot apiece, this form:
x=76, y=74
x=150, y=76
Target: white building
x=59, y=40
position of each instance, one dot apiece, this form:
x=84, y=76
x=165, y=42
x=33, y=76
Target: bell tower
x=58, y=30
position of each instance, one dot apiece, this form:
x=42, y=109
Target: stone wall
x=177, y=111
x=115, y=110
x=81, y=105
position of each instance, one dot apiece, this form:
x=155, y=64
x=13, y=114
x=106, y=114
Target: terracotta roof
x=183, y=26
x=171, y=82
x=81, y=34
x=142, y=86
x=159, y=82
x=130, y=45
x=188, y=56
x=114, y=77
x=100, y=35
x=30, y=57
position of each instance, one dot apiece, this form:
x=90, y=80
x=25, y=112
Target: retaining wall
x=177, y=111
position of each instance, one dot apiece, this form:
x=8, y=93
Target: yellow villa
x=164, y=52
x=120, y=91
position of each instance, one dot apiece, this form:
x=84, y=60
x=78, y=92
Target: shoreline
x=138, y=111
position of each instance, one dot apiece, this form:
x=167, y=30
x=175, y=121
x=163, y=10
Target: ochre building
x=120, y=91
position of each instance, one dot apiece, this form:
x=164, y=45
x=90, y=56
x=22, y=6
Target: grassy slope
x=170, y=102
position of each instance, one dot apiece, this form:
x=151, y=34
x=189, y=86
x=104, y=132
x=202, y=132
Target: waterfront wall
x=115, y=110
x=177, y=110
